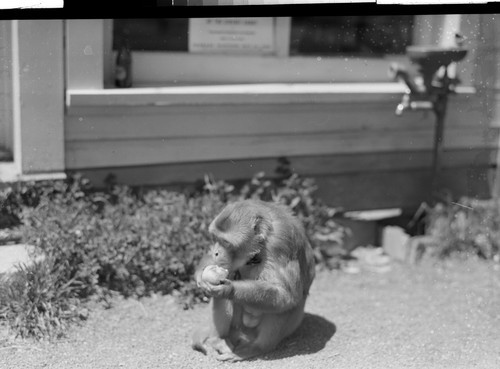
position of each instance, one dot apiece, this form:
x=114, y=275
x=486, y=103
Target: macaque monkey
x=270, y=268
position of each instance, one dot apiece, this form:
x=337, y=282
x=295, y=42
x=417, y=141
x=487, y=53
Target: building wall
x=345, y=145
x=361, y=154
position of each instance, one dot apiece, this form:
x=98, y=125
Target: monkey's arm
x=265, y=296
x=278, y=289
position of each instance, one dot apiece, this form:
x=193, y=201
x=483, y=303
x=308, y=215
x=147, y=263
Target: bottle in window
x=123, y=68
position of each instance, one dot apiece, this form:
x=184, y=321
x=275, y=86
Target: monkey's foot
x=222, y=346
x=240, y=353
x=230, y=357
x=200, y=348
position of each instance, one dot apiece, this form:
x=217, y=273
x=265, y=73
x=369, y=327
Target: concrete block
x=12, y=255
x=395, y=242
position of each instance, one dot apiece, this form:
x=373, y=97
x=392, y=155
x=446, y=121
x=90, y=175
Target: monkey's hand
x=211, y=276
x=224, y=290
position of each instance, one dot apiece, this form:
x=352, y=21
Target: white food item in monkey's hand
x=214, y=274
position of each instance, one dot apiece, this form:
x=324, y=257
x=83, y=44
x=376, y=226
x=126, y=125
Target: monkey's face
x=240, y=233
x=232, y=257
x=222, y=256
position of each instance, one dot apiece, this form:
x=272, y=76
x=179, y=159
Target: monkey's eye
x=225, y=244
x=256, y=259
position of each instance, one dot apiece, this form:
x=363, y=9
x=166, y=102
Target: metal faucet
x=415, y=96
x=407, y=103
x=429, y=90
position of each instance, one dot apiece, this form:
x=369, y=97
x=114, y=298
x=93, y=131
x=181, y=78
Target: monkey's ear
x=261, y=228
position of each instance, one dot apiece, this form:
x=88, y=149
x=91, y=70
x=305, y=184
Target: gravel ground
x=430, y=316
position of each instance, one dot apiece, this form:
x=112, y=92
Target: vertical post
x=6, y=133
x=16, y=99
x=451, y=26
x=487, y=82
x=38, y=74
x=440, y=106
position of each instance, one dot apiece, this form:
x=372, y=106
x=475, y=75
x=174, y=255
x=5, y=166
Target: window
x=262, y=50
x=357, y=35
x=151, y=34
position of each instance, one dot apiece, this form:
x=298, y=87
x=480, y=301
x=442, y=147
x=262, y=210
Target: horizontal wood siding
x=353, y=181
x=133, y=136
x=362, y=155
x=305, y=166
x=146, y=152
x=401, y=189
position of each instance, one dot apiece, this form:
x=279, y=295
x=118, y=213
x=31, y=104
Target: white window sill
x=275, y=93
x=11, y=172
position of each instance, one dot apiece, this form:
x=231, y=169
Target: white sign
x=231, y=35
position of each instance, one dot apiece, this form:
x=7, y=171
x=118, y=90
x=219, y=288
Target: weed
x=468, y=226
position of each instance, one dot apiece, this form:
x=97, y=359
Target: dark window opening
x=309, y=36
x=353, y=35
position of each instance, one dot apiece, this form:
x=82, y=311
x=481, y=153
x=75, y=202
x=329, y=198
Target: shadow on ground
x=311, y=337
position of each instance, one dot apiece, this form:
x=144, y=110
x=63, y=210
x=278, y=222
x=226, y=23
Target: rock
x=9, y=236
x=395, y=242
x=13, y=255
x=373, y=259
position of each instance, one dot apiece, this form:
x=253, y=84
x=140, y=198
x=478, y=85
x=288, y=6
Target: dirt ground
x=430, y=316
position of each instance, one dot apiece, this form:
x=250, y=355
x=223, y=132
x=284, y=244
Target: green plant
x=130, y=241
x=133, y=244
x=91, y=243
x=469, y=226
x=14, y=197
x=39, y=301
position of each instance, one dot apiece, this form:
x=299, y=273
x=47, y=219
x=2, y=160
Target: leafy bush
x=129, y=241
x=132, y=242
x=469, y=226
x=17, y=196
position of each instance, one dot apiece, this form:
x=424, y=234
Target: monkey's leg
x=213, y=335
x=222, y=316
x=271, y=331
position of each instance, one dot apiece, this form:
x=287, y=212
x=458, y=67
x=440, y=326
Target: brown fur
x=271, y=270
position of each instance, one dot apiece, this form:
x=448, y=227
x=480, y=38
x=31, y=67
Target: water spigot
x=424, y=88
x=403, y=105
x=408, y=103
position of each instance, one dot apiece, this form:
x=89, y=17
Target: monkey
x=271, y=270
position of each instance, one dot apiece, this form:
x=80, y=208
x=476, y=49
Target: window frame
x=90, y=63
x=148, y=67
